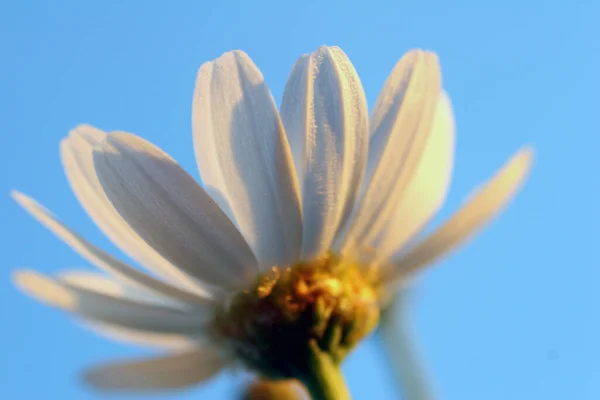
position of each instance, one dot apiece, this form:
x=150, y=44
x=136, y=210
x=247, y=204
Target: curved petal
x=173, y=371
x=104, y=260
x=401, y=125
x=244, y=157
x=484, y=204
x=325, y=115
x=171, y=212
x=427, y=191
x=76, y=154
x=111, y=309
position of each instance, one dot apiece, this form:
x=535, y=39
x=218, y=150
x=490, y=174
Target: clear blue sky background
x=514, y=315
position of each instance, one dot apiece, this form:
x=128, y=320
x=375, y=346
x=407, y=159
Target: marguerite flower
x=308, y=220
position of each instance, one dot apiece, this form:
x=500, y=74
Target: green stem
x=324, y=379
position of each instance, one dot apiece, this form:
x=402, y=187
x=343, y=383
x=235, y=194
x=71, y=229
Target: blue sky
x=511, y=316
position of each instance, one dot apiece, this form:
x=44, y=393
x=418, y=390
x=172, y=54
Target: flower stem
x=324, y=379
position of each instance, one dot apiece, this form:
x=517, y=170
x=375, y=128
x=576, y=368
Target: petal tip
x=81, y=127
x=326, y=49
x=98, y=378
x=108, y=381
x=226, y=64
x=15, y=194
x=232, y=56
x=334, y=53
x=22, y=199
x=87, y=132
x=41, y=288
x=524, y=159
x=413, y=56
x=528, y=152
x=414, y=53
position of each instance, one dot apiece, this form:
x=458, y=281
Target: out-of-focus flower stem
x=395, y=339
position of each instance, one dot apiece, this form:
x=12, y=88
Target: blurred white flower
x=313, y=186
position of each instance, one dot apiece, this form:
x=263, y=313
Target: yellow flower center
x=328, y=302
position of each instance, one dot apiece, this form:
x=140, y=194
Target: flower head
x=305, y=225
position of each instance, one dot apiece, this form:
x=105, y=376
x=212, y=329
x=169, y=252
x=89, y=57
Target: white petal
x=77, y=158
x=101, y=284
x=169, y=210
x=104, y=260
x=142, y=338
x=401, y=125
x=325, y=115
x=244, y=157
x=93, y=281
x=484, y=204
x=173, y=371
x=113, y=310
x=104, y=285
x=427, y=191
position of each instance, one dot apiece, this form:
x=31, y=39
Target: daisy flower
x=309, y=219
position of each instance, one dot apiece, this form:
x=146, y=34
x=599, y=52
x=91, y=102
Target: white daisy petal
x=169, y=210
x=427, y=191
x=102, y=259
x=76, y=154
x=244, y=157
x=173, y=371
x=98, y=283
x=113, y=310
x=93, y=281
x=401, y=125
x=142, y=338
x=320, y=189
x=484, y=204
x=325, y=115
x=101, y=284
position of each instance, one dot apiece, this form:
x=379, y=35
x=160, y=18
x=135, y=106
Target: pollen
x=329, y=302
